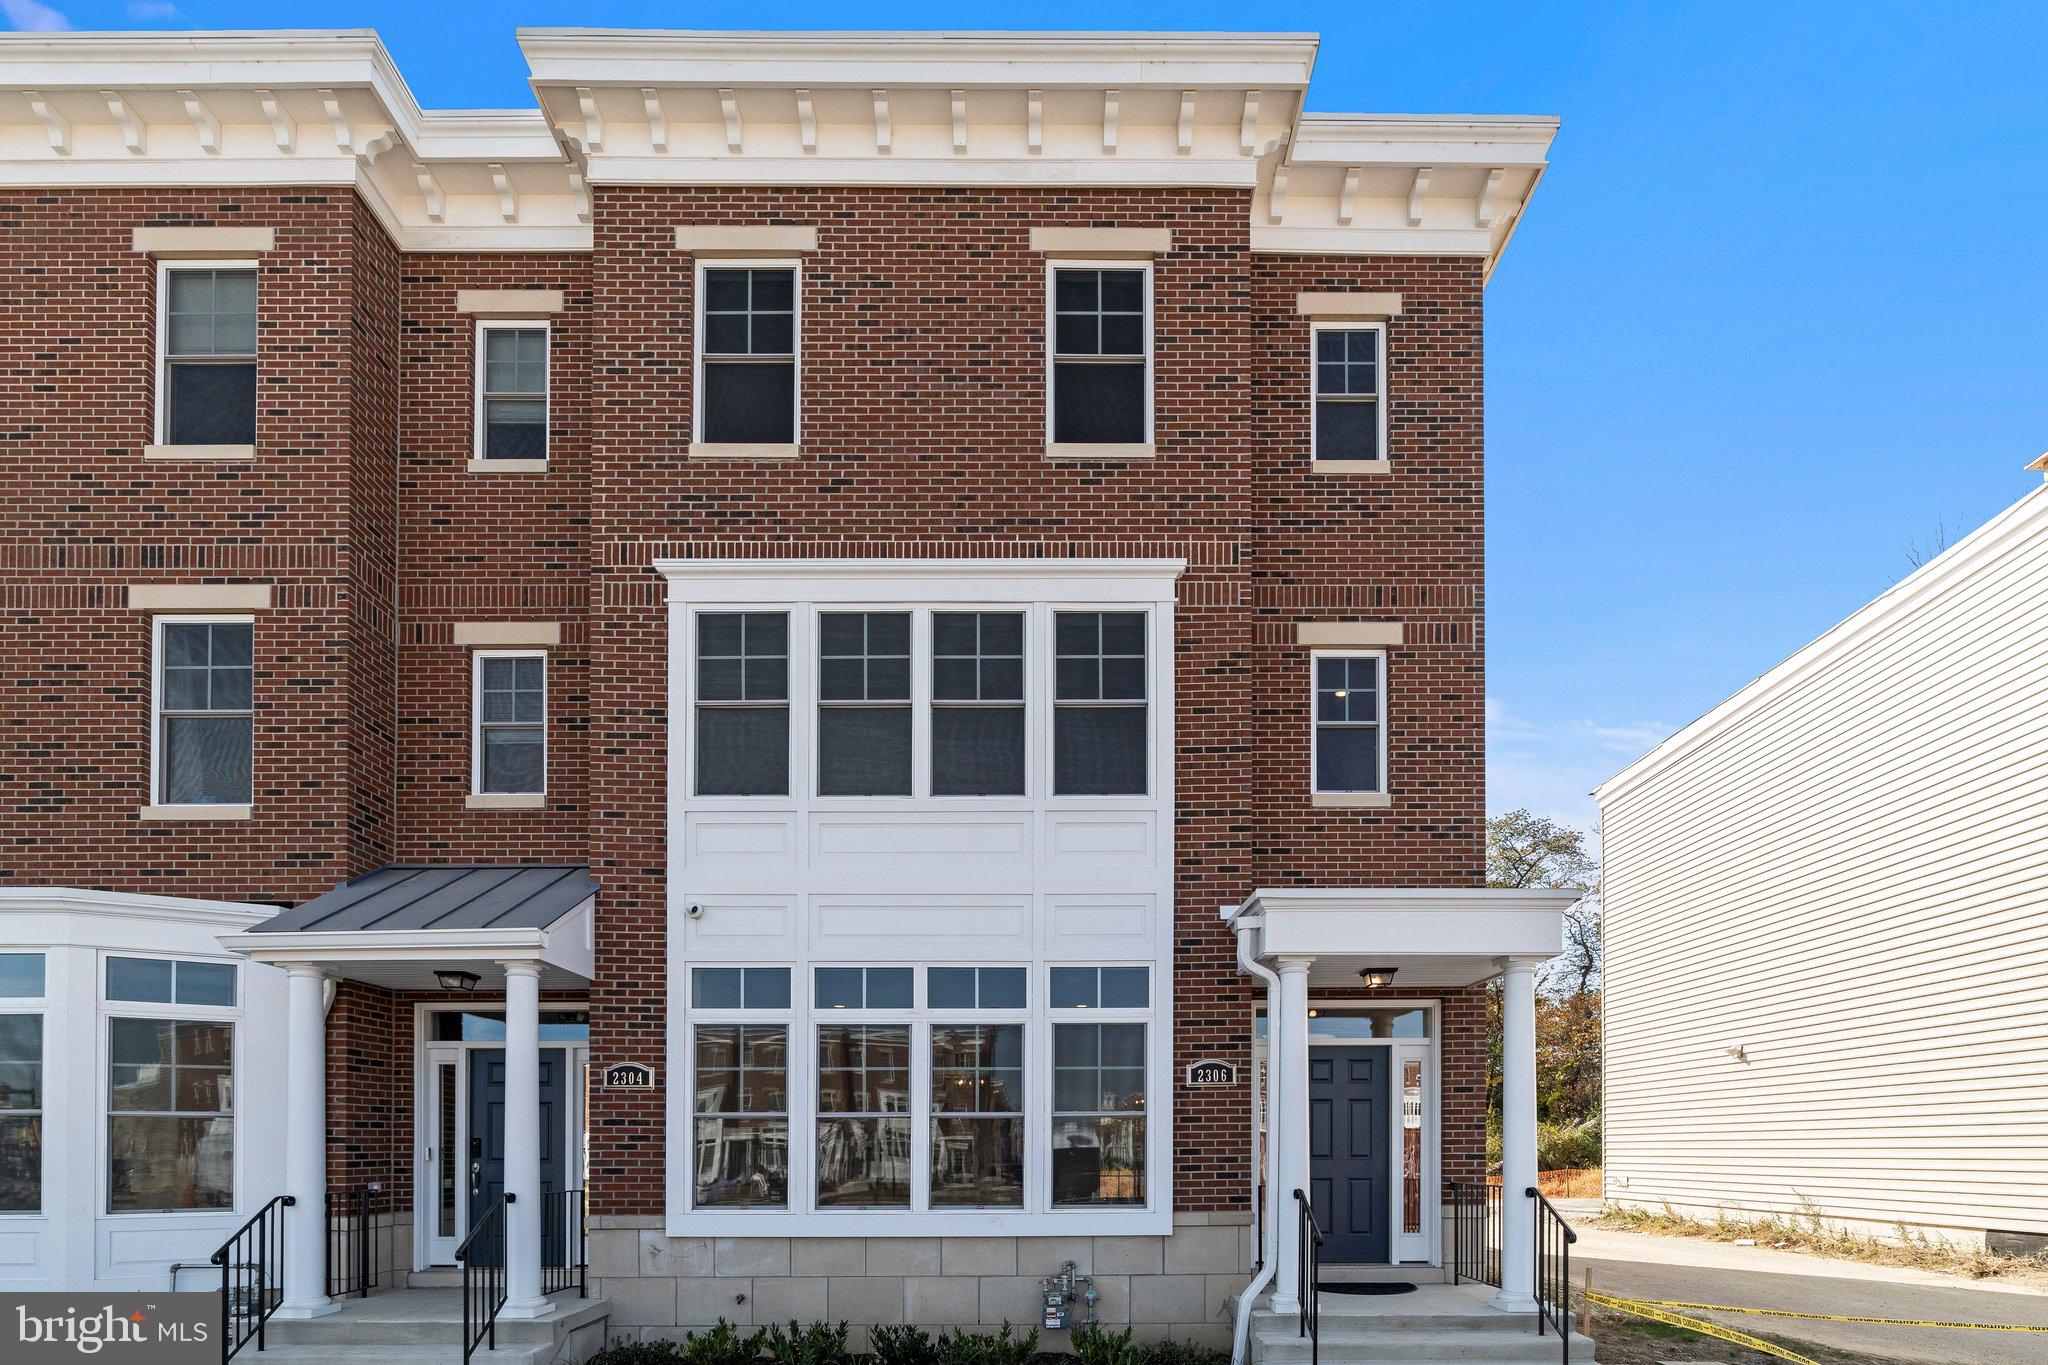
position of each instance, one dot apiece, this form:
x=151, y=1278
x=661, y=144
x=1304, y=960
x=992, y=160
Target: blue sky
x=1776, y=316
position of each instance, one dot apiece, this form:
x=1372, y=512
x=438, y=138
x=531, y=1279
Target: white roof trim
x=2023, y=518
x=121, y=904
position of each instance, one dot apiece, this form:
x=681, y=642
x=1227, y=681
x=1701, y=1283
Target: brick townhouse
x=780, y=659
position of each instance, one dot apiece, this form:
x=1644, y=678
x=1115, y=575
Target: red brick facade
x=923, y=417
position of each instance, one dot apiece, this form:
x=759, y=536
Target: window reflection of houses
x=170, y=1131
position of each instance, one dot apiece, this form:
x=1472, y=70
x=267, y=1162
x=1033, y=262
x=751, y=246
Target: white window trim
x=164, y=270
x=1338, y=464
x=699, y=447
x=1037, y=1216
x=37, y=1005
x=1382, y=796
x=1071, y=449
x=477, y=455
x=158, y=809
x=922, y=725
x=230, y=1015
x=476, y=725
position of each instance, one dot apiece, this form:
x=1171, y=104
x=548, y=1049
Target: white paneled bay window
x=935, y=796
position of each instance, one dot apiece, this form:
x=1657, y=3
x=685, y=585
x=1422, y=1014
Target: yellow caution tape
x=1656, y=1313
x=1831, y=1317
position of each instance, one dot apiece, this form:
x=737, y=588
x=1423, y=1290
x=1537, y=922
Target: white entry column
x=522, y=1141
x=1288, y=1074
x=1518, y=1136
x=305, y=1145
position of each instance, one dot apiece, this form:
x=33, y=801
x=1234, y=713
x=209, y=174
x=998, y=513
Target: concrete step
x=449, y=1353
x=1518, y=1348
x=426, y=1318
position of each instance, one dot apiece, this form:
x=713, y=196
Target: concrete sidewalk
x=1644, y=1266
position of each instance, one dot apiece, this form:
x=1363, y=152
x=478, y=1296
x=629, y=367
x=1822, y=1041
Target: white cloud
x=33, y=16
x=1551, y=768
x=153, y=11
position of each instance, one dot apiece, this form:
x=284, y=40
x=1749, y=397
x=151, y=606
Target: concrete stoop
x=424, y=1327
x=1438, y=1322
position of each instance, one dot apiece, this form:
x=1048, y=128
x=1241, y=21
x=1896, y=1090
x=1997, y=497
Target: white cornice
x=629, y=107
x=125, y=905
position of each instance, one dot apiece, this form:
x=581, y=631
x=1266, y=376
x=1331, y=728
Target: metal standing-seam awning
x=397, y=926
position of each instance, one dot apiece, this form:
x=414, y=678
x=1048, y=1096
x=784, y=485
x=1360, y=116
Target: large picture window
x=206, y=383
x=977, y=1135
x=740, y=1063
x=1099, y=704
x=743, y=704
x=205, y=719
x=1101, y=355
x=864, y=1116
x=170, y=1119
x=864, y=703
x=747, y=355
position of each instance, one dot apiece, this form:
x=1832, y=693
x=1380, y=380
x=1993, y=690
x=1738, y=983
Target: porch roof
x=1432, y=936
x=400, y=924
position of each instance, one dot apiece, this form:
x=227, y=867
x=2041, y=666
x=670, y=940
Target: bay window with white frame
x=170, y=1026
x=203, y=729
x=1349, y=740
x=509, y=742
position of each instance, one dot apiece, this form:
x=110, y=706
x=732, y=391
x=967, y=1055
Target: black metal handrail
x=1308, y=1247
x=251, y=1276
x=1554, y=1240
x=351, y=1237
x=564, y=1254
x=483, y=1276
x=1475, y=1232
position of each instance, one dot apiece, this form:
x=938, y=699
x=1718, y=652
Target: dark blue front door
x=1348, y=1156
x=486, y=1166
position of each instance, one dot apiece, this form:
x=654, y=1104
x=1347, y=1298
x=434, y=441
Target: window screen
x=1099, y=709
x=205, y=685
x=515, y=396
x=749, y=355
x=864, y=704
x=512, y=724
x=1348, y=394
x=209, y=357
x=1348, y=720
x=977, y=704
x=743, y=704
x=741, y=1126
x=1099, y=357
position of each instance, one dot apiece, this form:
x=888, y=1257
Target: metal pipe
x=1269, y=1229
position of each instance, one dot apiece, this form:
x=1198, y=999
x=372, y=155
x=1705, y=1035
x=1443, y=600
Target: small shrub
x=1568, y=1147
x=638, y=1353
x=902, y=1346
x=818, y=1344
x=1095, y=1344
x=724, y=1344
x=979, y=1348
x=1181, y=1353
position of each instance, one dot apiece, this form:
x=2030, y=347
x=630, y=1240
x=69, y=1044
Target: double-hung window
x=740, y=1043
x=1350, y=394
x=21, y=1083
x=1350, y=724
x=977, y=1086
x=511, y=709
x=864, y=703
x=1099, y=1084
x=747, y=355
x=864, y=1106
x=1101, y=355
x=1099, y=704
x=206, y=341
x=170, y=1084
x=977, y=703
x=743, y=703
x=512, y=391
x=205, y=711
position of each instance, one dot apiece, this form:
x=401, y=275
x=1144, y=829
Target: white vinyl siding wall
x=1843, y=871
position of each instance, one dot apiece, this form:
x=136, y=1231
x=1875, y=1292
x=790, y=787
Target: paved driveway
x=1634, y=1265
